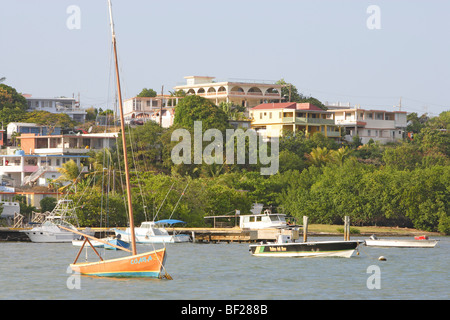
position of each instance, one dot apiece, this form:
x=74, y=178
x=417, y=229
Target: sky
x=334, y=50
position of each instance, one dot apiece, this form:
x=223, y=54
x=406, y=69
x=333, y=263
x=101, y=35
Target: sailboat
x=149, y=264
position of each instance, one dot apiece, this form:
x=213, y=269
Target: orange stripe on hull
x=147, y=264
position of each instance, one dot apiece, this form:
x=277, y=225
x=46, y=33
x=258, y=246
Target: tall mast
x=124, y=144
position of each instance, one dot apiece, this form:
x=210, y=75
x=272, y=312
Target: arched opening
x=254, y=91
x=191, y=91
x=211, y=91
x=272, y=92
x=222, y=90
x=237, y=90
x=201, y=91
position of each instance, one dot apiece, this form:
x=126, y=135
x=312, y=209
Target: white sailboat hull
x=394, y=243
x=154, y=238
x=50, y=237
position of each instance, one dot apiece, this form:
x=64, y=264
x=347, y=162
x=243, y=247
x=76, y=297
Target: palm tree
x=337, y=156
x=69, y=172
x=318, y=156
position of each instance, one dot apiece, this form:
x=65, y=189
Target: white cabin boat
x=263, y=221
x=419, y=242
x=153, y=232
x=49, y=231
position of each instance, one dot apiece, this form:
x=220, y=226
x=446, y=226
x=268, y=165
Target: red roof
x=308, y=106
x=282, y=105
x=288, y=105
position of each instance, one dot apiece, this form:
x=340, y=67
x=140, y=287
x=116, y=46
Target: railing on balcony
x=312, y=121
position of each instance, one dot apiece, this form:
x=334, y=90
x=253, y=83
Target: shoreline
x=333, y=230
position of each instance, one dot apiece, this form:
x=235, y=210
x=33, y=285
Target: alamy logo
x=213, y=152
x=374, y=20
x=374, y=280
x=74, y=20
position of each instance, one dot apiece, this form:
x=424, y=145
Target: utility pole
x=161, y=106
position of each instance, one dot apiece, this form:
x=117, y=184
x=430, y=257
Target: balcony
x=308, y=121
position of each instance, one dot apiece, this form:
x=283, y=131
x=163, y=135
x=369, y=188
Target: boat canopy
x=169, y=221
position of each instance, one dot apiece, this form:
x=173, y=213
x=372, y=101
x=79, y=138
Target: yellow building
x=271, y=119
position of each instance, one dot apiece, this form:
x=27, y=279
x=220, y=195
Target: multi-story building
x=248, y=93
x=69, y=106
x=159, y=108
x=23, y=127
x=19, y=169
x=272, y=119
x=378, y=125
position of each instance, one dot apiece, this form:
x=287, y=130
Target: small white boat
x=97, y=244
x=49, y=231
x=311, y=249
x=153, y=232
x=418, y=242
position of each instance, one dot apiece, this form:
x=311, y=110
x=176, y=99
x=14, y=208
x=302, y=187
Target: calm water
x=228, y=271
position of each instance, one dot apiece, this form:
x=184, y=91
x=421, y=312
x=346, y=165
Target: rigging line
x=136, y=166
x=176, y=205
x=154, y=218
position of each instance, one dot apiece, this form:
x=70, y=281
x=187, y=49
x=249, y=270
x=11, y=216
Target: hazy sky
x=323, y=47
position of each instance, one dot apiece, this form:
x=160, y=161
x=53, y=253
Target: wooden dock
x=236, y=234
x=13, y=234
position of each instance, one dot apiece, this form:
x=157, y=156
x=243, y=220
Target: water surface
x=228, y=271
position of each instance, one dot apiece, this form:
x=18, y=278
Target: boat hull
x=148, y=265
x=98, y=244
x=146, y=238
x=385, y=243
x=306, y=249
x=49, y=237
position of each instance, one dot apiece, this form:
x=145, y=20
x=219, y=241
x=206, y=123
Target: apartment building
x=159, y=109
x=272, y=119
x=378, y=125
x=248, y=93
x=69, y=106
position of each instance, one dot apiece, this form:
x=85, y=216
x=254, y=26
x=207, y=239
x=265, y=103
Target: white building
x=159, y=108
x=248, y=93
x=69, y=106
x=378, y=125
x=24, y=127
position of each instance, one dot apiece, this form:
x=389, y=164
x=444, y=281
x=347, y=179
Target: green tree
x=290, y=93
x=11, y=99
x=50, y=120
x=147, y=93
x=195, y=108
x=403, y=157
x=70, y=172
x=47, y=204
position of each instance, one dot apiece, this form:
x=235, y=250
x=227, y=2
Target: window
x=270, y=115
x=260, y=115
x=368, y=133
